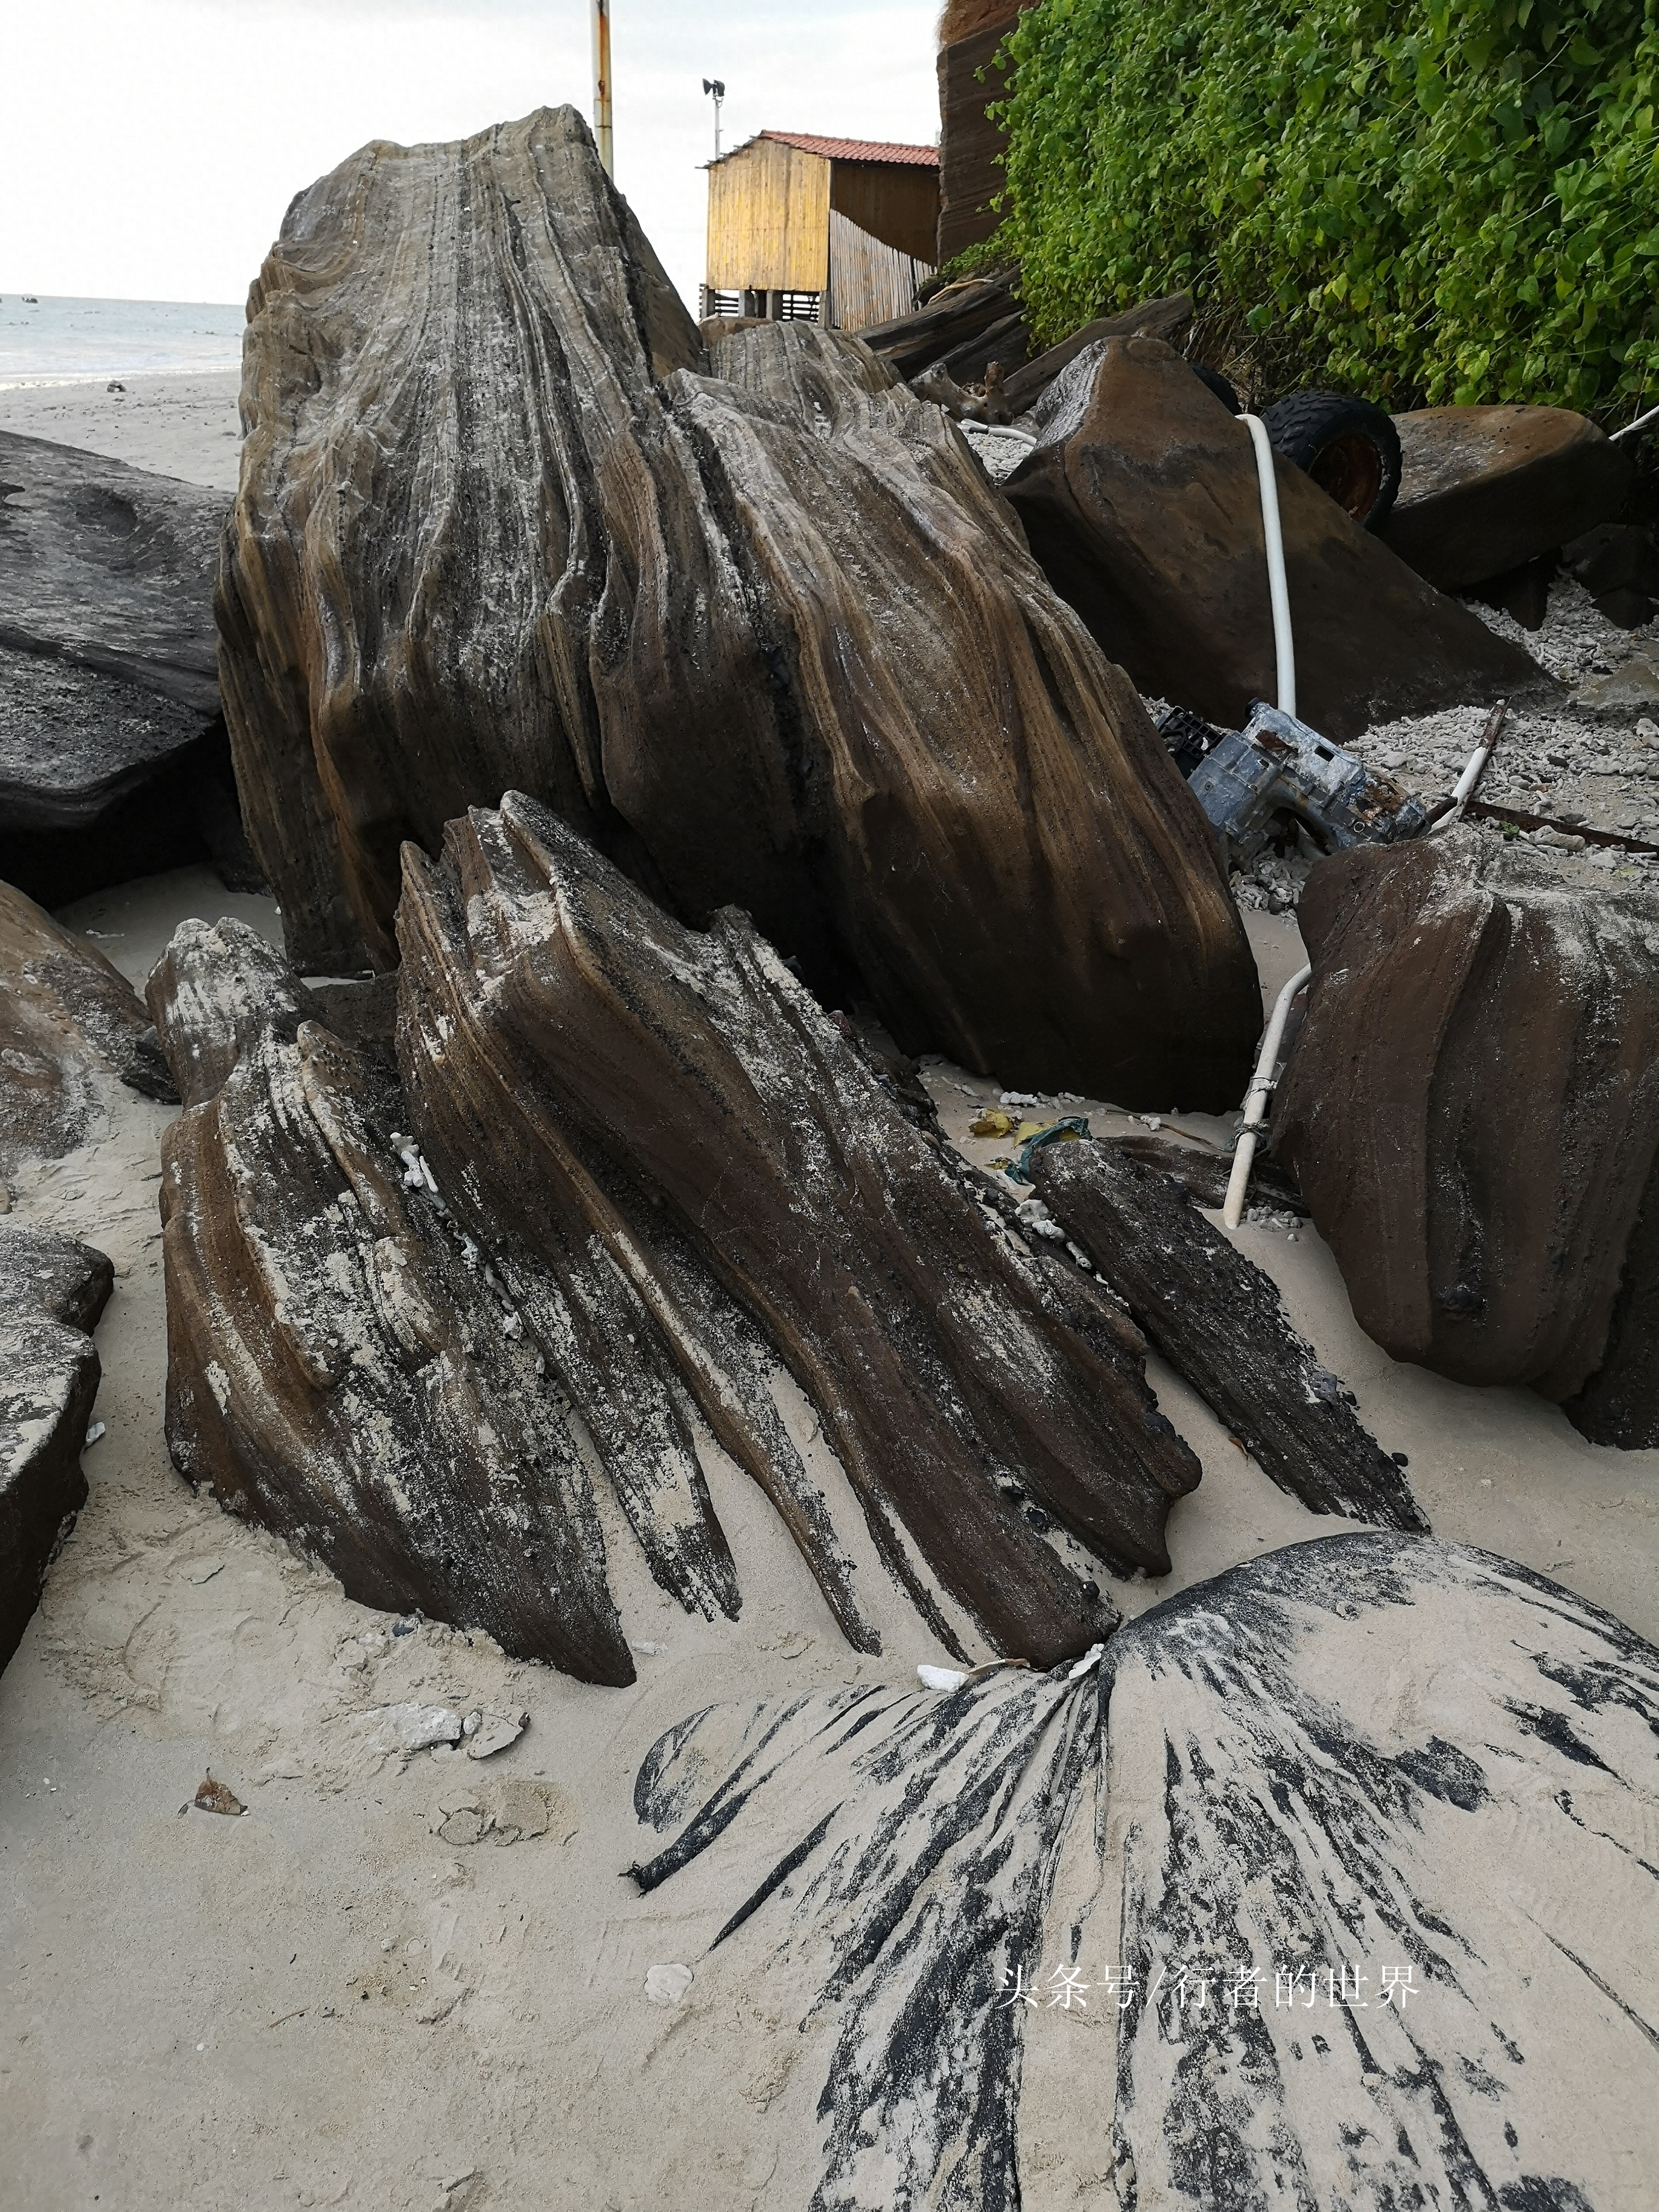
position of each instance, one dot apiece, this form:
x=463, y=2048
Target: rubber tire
x=1350, y=448
x=1222, y=387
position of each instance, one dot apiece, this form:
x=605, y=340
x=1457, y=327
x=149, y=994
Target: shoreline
x=180, y=422
x=78, y=376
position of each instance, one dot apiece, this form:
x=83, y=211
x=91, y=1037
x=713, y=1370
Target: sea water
x=57, y=341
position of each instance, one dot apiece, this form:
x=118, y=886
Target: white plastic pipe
x=1277, y=591
x=1463, y=790
x=1256, y=1105
x=1631, y=429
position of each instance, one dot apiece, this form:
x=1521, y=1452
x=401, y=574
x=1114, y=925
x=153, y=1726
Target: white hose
x=1256, y=1105
x=1277, y=591
x=1631, y=429
x=1463, y=791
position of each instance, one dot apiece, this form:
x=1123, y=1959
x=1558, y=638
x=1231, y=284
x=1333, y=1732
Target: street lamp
x=716, y=91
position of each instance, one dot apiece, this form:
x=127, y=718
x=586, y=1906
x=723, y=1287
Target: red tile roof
x=857, y=149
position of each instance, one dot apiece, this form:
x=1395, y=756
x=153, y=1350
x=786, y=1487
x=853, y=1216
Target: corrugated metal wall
x=769, y=220
x=869, y=283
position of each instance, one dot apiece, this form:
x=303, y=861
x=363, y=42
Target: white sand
x=325, y=2003
x=181, y=426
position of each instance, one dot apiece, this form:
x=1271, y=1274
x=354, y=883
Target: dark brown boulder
x=69, y=1021
x=1484, y=489
x=1218, y=1320
x=52, y=1292
x=1472, y=1108
x=1141, y=501
x=764, y=635
x=1164, y=317
x=667, y=1126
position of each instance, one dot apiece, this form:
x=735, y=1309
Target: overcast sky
x=148, y=148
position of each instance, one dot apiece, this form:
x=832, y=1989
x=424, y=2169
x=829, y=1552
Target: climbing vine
x=1410, y=198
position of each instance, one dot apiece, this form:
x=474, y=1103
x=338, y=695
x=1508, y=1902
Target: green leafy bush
x=1416, y=201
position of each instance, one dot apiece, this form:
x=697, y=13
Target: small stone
x=666, y=1986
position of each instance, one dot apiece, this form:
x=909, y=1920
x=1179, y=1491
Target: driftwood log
x=1273, y=1873
x=667, y=1124
x=764, y=635
x=1471, y=1111
x=52, y=1292
x=1141, y=501
x=1217, y=1319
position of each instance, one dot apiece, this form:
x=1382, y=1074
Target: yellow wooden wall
x=769, y=220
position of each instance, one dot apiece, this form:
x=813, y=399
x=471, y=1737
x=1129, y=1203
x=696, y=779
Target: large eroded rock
x=52, y=1292
x=1483, y=490
x=1472, y=1108
x=764, y=635
x=1141, y=501
x=689, y=1178
x=337, y=1370
x=69, y=1020
x=1329, y=1886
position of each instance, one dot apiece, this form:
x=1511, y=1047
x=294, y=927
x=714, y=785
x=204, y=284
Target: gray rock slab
x=52, y=1293
x=1347, y=1857
x=110, y=567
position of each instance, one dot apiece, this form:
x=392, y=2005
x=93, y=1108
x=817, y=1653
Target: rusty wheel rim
x=1350, y=468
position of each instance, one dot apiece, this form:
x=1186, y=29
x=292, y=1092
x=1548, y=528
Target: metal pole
x=602, y=137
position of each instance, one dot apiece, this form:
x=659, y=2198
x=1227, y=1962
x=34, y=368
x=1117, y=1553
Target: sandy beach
x=342, y=1999
x=181, y=426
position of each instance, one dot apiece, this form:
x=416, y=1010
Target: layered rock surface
x=764, y=635
x=68, y=1021
x=1265, y=1874
x=109, y=567
x=1141, y=501
x=52, y=1292
x=1472, y=1108
x=638, y=1191
x=337, y=1372
x=667, y=1125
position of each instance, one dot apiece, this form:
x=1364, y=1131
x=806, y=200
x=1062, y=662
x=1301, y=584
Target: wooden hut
x=839, y=231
